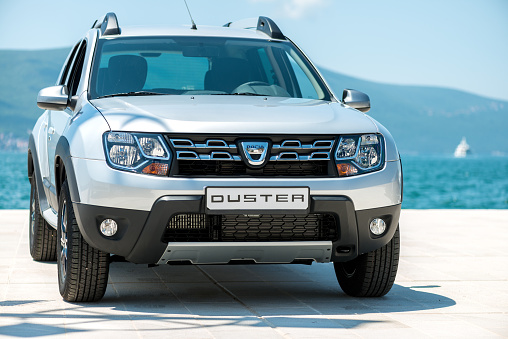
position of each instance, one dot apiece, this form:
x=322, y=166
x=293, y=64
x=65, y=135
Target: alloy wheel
x=32, y=217
x=63, y=242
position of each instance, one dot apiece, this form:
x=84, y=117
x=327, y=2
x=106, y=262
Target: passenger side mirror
x=356, y=99
x=55, y=98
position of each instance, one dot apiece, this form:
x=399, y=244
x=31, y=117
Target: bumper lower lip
x=139, y=236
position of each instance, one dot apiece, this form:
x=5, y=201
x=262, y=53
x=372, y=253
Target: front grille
x=208, y=155
x=272, y=168
x=284, y=227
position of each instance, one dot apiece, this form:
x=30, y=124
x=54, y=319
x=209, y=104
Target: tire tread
x=374, y=273
x=44, y=242
x=88, y=267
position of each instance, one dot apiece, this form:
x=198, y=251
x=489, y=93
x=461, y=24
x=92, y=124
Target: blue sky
x=461, y=44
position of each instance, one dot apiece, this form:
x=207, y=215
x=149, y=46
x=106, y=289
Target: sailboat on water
x=462, y=149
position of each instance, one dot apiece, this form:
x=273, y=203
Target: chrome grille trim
x=191, y=155
x=187, y=143
x=187, y=155
x=220, y=149
x=327, y=144
x=312, y=156
x=285, y=156
x=177, y=143
x=217, y=141
x=287, y=144
x=318, y=144
x=320, y=156
x=221, y=156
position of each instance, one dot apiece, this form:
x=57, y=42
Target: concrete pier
x=452, y=283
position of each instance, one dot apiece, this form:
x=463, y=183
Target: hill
x=432, y=119
x=422, y=119
x=24, y=73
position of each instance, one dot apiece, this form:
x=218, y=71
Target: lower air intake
x=287, y=227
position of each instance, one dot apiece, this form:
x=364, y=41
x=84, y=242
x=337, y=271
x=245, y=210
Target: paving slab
x=452, y=283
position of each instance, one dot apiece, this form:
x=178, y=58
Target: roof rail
x=265, y=25
x=108, y=24
x=268, y=26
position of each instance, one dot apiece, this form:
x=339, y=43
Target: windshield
x=203, y=66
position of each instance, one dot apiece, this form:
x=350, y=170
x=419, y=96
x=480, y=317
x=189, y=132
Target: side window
x=75, y=74
x=70, y=60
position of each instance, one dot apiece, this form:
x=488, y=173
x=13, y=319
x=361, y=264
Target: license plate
x=257, y=198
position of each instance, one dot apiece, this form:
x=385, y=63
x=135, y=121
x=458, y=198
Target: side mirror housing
x=356, y=99
x=55, y=98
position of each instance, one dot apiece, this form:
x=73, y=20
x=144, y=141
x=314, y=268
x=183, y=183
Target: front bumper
x=100, y=185
x=140, y=233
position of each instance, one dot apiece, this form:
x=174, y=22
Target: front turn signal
x=156, y=169
x=346, y=170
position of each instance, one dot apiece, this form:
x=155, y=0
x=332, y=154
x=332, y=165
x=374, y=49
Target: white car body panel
x=231, y=114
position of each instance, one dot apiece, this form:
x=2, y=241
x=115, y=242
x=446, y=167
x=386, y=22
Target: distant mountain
x=432, y=119
x=23, y=74
x=422, y=119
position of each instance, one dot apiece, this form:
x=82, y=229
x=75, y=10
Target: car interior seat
x=125, y=73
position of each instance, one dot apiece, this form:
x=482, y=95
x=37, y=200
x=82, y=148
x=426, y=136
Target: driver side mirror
x=356, y=99
x=55, y=98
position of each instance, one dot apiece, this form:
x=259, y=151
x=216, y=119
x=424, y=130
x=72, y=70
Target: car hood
x=231, y=114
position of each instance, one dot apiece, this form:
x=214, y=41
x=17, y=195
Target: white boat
x=462, y=149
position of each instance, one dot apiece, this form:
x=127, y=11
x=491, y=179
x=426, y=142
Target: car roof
x=265, y=28
x=201, y=31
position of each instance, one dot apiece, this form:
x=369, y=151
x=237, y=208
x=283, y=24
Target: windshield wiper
x=128, y=94
x=244, y=93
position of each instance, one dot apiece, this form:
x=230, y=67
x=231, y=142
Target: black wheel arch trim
x=34, y=172
x=63, y=154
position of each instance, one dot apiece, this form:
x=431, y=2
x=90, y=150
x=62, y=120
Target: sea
x=430, y=182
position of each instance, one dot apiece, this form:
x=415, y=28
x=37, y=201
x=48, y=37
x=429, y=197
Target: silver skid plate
x=261, y=252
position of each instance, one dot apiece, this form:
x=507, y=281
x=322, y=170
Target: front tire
x=82, y=269
x=371, y=274
x=42, y=237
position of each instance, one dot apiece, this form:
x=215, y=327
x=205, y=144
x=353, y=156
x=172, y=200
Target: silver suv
x=214, y=145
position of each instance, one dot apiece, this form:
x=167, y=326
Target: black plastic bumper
x=140, y=232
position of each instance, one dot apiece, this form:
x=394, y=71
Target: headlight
x=137, y=152
x=357, y=154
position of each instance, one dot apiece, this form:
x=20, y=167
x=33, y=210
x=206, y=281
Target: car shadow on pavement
x=265, y=296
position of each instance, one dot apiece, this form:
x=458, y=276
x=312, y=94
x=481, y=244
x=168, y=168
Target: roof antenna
x=193, y=23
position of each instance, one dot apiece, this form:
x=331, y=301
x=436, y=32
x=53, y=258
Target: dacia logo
x=255, y=149
x=255, y=152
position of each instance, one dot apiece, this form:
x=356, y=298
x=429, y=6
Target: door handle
x=51, y=130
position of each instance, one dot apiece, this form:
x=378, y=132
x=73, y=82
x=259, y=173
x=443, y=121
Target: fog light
x=109, y=227
x=377, y=226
